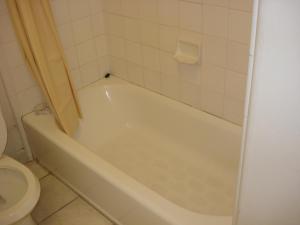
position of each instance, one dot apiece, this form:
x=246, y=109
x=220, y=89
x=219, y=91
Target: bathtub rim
x=176, y=104
x=168, y=210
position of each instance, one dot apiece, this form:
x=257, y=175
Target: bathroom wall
x=269, y=184
x=14, y=147
x=143, y=37
x=136, y=40
x=81, y=26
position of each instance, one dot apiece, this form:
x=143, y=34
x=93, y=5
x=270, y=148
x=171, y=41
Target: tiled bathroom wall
x=143, y=37
x=14, y=147
x=8, y=93
x=136, y=40
x=80, y=25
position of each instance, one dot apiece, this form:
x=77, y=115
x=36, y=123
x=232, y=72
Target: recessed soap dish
x=187, y=52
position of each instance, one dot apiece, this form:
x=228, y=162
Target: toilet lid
x=3, y=134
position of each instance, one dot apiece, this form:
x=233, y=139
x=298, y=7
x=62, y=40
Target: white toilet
x=19, y=188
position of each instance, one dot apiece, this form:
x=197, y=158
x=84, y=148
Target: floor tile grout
x=70, y=202
x=61, y=208
x=99, y=211
x=41, y=178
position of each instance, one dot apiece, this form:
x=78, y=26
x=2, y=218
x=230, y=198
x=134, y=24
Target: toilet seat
x=3, y=134
x=25, y=205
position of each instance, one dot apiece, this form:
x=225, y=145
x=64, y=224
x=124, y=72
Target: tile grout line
x=61, y=208
x=77, y=197
x=43, y=177
x=98, y=210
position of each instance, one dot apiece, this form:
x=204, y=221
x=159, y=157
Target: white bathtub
x=143, y=159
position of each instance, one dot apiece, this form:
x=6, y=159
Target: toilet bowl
x=19, y=192
x=19, y=188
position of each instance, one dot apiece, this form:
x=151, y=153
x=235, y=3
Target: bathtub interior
x=186, y=156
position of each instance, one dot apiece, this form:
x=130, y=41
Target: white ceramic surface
x=27, y=184
x=113, y=107
x=37, y=170
x=3, y=134
x=27, y=220
x=77, y=212
x=54, y=196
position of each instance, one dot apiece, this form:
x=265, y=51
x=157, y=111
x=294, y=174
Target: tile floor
x=59, y=205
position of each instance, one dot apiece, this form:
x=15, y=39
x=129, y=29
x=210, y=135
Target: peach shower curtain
x=34, y=24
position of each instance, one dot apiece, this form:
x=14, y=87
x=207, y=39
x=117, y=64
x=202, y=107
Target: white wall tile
x=131, y=8
x=168, y=12
x=152, y=80
x=76, y=78
x=66, y=35
x=29, y=98
x=133, y=30
x=151, y=58
x=241, y=4
x=224, y=3
x=21, y=78
x=162, y=23
x=81, y=27
x=96, y=6
x=234, y=110
x=190, y=93
x=149, y=10
x=9, y=85
x=213, y=78
x=116, y=25
x=190, y=73
x=150, y=34
x=240, y=26
x=103, y=65
x=170, y=85
x=235, y=85
x=6, y=106
x=61, y=11
x=14, y=141
x=89, y=72
x=12, y=54
x=215, y=20
x=212, y=102
x=135, y=73
x=238, y=56
x=79, y=9
x=191, y=36
x=98, y=24
x=215, y=50
x=191, y=16
x=101, y=46
x=119, y=67
x=134, y=52
x=113, y=6
x=86, y=52
x=170, y=65
x=72, y=58
x=117, y=47
x=168, y=37
x=82, y=30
